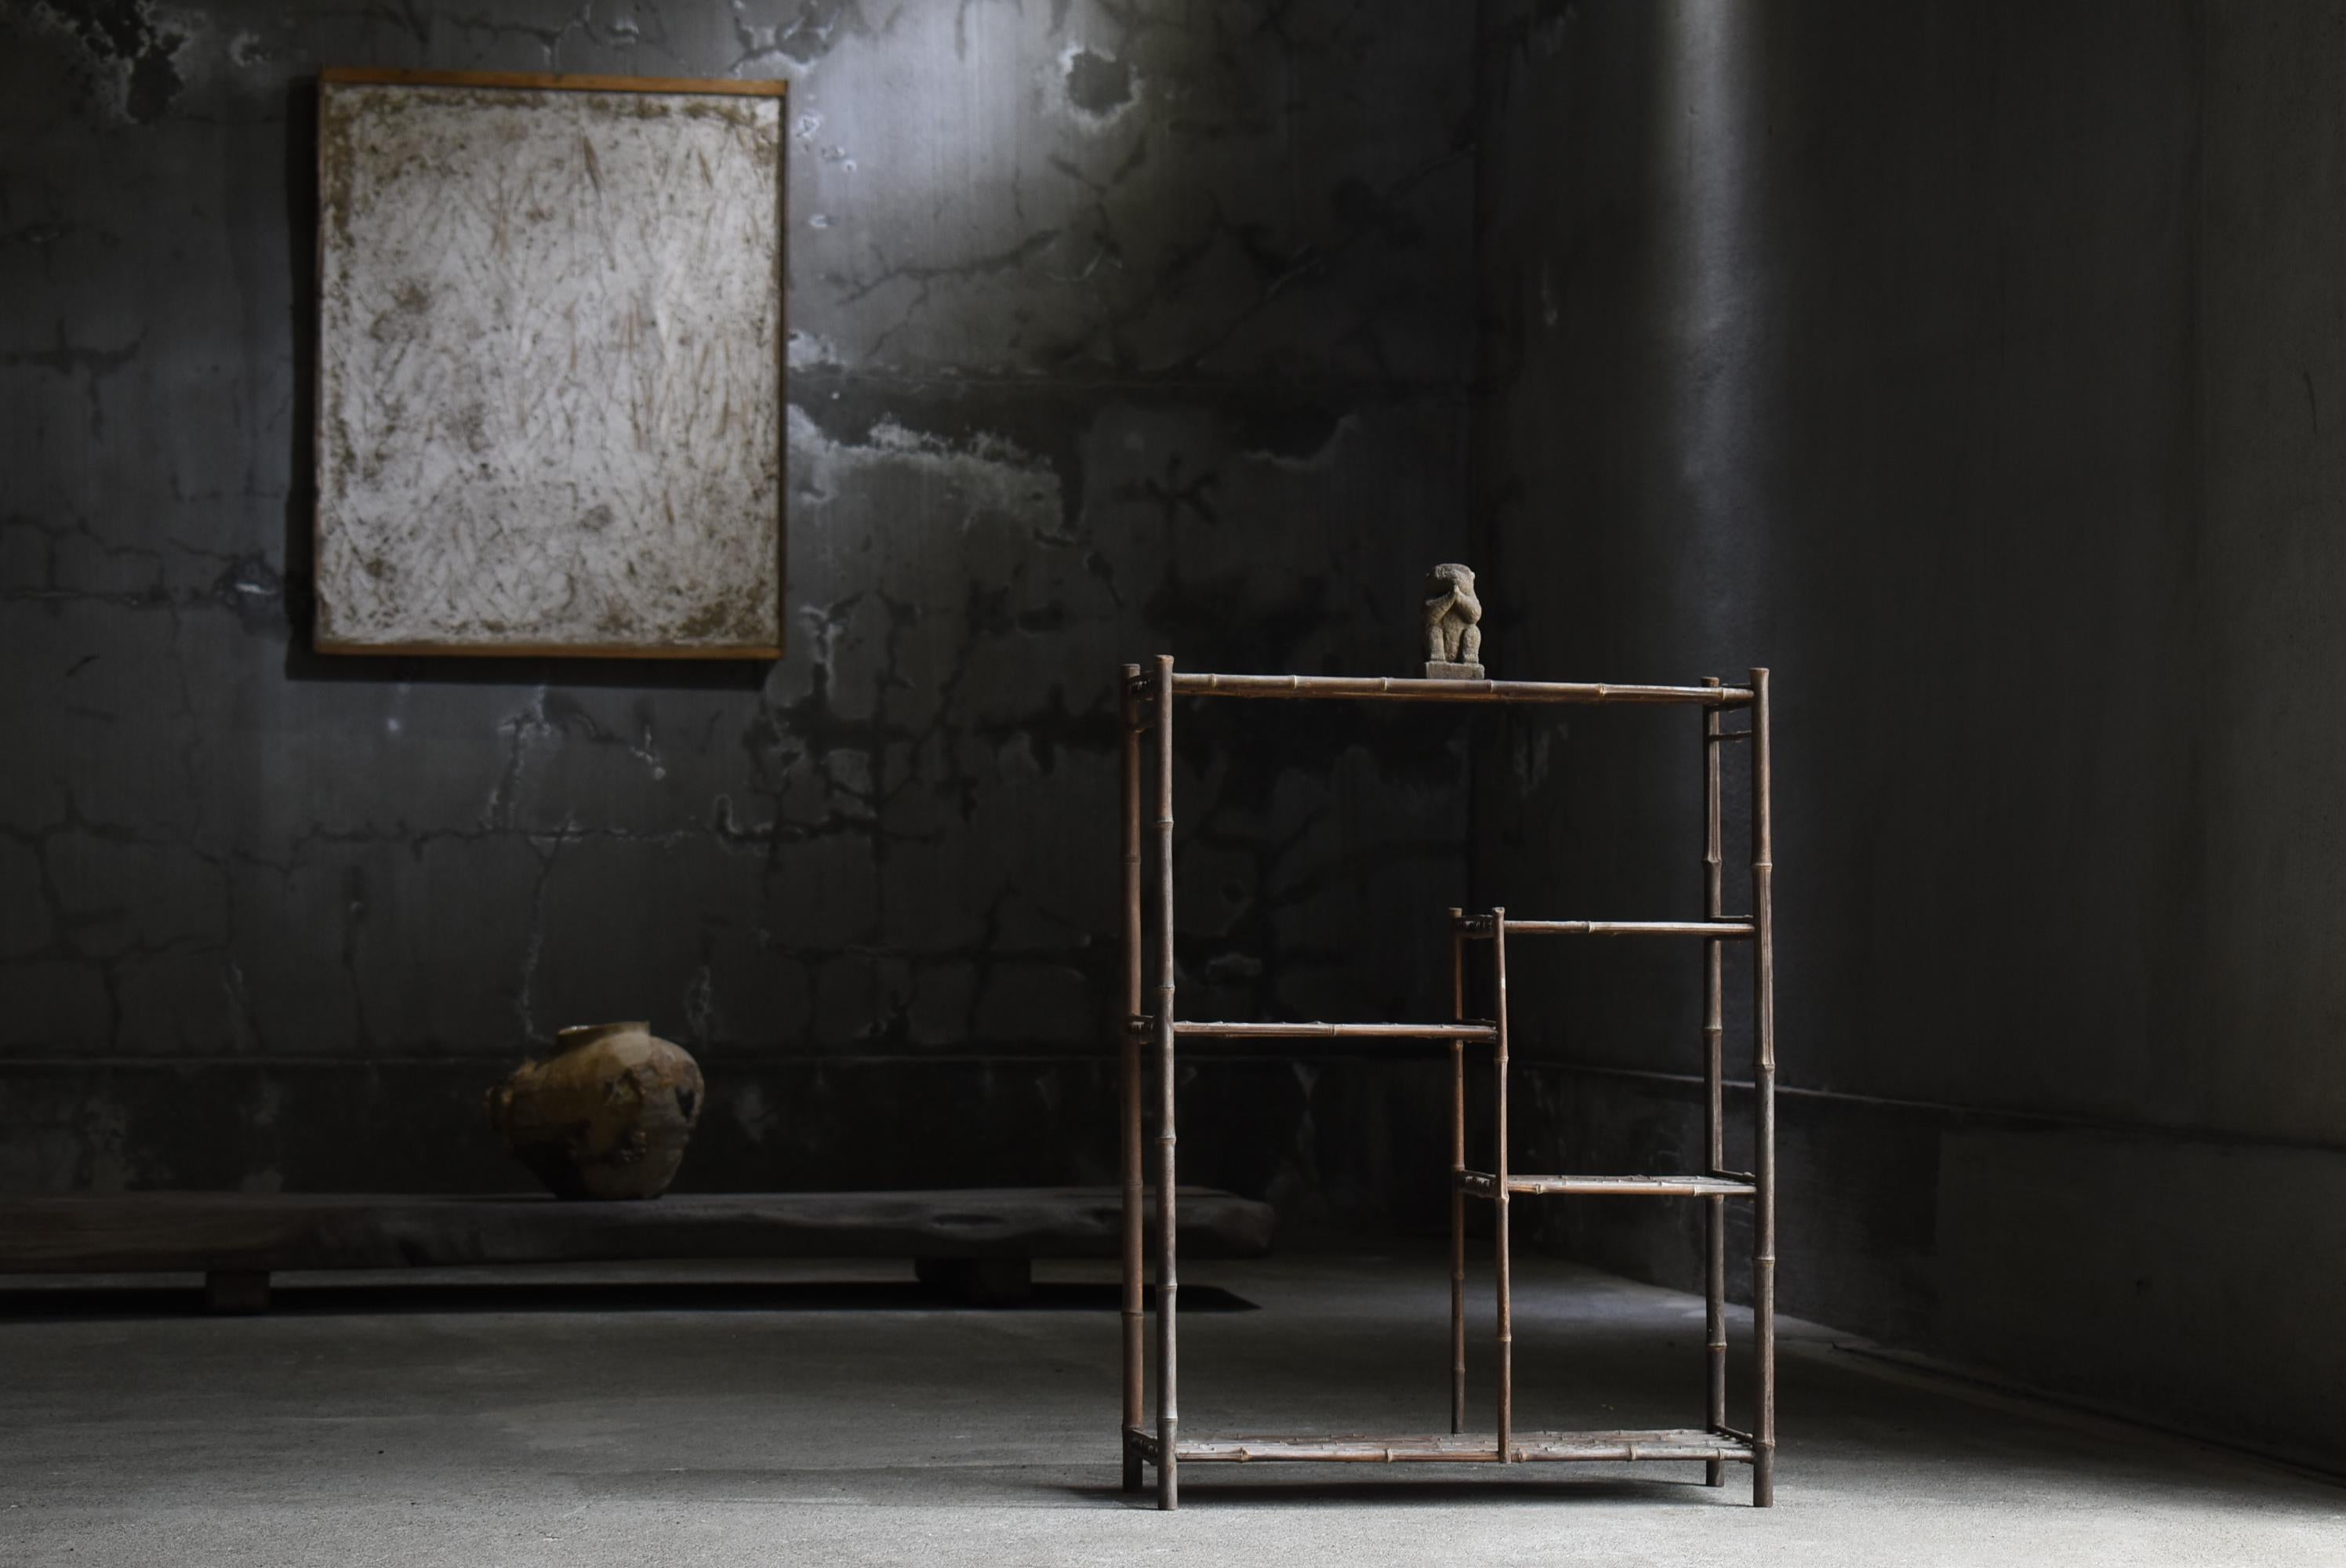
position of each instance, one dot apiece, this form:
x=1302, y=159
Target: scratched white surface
x=549, y=370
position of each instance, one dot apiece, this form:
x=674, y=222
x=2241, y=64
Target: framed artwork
x=549, y=394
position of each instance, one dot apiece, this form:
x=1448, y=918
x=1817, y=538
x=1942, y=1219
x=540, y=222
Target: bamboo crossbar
x=1389, y=688
x=1479, y=926
x=1187, y=1029
x=1470, y=1447
x=1149, y=1035
x=1482, y=1183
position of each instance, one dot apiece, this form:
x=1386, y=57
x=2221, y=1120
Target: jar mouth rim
x=579, y=1034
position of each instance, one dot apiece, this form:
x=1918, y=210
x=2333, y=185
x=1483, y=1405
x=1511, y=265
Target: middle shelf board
x=1186, y=1029
x=1477, y=927
x=1482, y=1183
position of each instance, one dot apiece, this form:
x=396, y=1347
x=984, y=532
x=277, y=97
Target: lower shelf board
x=1467, y=1447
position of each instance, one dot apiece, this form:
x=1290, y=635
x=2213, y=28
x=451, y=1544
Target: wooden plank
x=182, y=1232
x=767, y=651
x=539, y=80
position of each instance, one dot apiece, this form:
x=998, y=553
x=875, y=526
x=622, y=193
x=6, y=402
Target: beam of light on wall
x=1707, y=172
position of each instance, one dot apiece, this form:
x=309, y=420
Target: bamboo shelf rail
x=1525, y=1449
x=1152, y=1028
x=1184, y=1029
x=1482, y=1183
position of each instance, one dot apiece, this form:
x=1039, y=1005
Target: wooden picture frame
x=550, y=365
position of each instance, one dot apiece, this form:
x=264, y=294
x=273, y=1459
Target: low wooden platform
x=981, y=1243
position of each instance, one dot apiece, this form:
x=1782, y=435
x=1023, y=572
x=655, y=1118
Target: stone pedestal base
x=236, y=1290
x=1442, y=670
x=978, y=1281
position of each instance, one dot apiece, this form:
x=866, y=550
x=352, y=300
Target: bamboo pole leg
x=1129, y=1049
x=1457, y=1187
x=1169, y=1413
x=1714, y=894
x=1506, y=1335
x=1763, y=1095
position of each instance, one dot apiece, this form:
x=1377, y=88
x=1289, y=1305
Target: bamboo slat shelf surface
x=1478, y=927
x=1482, y=1033
x=1153, y=1022
x=1387, y=689
x=1458, y=1448
x=1482, y=1183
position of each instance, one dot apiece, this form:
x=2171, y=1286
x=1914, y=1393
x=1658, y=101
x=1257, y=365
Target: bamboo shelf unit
x=1147, y=710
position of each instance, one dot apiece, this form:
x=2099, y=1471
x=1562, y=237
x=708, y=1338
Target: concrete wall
x=1117, y=329
x=1979, y=370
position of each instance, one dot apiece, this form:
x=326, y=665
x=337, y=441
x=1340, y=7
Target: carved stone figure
x=1454, y=631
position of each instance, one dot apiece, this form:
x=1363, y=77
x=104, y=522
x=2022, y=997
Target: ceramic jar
x=606, y=1115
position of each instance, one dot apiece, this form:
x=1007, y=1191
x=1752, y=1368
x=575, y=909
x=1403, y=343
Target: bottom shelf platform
x=1523, y=1448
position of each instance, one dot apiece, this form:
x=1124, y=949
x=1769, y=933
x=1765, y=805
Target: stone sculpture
x=607, y=1116
x=1454, y=631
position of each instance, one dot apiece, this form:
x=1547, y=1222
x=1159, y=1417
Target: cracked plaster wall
x=1973, y=368
x=1118, y=326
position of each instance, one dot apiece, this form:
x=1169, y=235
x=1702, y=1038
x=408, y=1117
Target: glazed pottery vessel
x=607, y=1116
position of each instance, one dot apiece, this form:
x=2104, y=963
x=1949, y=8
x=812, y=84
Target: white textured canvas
x=549, y=371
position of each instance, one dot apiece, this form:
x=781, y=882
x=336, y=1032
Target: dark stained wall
x=1978, y=369
x=1117, y=328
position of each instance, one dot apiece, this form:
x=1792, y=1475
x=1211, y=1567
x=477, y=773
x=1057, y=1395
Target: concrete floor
x=834, y=1416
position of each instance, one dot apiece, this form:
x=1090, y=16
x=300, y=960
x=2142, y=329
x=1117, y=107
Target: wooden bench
x=979, y=1245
